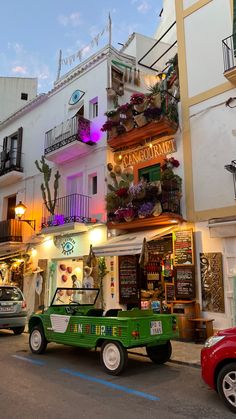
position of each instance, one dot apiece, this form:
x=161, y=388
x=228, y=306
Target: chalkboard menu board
x=184, y=282
x=128, y=279
x=169, y=293
x=183, y=247
x=161, y=245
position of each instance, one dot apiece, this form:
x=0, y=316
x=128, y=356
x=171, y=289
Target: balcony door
x=11, y=203
x=75, y=184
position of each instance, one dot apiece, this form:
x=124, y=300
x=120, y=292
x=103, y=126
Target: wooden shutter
x=19, y=147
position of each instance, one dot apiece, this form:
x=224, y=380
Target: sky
x=33, y=32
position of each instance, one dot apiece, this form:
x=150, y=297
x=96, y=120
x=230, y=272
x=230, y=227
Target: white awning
x=131, y=243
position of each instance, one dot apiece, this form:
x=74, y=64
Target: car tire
x=226, y=385
x=37, y=340
x=159, y=354
x=113, y=357
x=18, y=330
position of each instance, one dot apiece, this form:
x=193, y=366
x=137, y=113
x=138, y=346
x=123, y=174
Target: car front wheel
x=159, y=354
x=226, y=385
x=18, y=330
x=37, y=340
x=113, y=357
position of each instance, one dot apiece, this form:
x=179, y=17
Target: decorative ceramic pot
x=140, y=107
x=112, y=133
x=128, y=219
x=155, y=101
x=128, y=124
x=140, y=120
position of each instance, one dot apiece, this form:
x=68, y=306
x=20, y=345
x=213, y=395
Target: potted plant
x=154, y=98
x=113, y=114
x=138, y=191
x=126, y=110
x=145, y=209
x=170, y=181
x=152, y=114
x=111, y=127
x=139, y=101
x=129, y=212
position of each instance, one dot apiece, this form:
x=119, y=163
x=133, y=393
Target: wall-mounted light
x=232, y=169
x=20, y=211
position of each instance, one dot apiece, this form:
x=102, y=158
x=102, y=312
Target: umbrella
x=143, y=259
x=92, y=260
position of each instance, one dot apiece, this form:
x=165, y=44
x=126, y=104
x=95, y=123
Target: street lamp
x=20, y=211
x=232, y=169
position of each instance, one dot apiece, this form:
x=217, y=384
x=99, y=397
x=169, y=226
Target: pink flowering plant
x=170, y=163
x=137, y=98
x=123, y=109
x=108, y=125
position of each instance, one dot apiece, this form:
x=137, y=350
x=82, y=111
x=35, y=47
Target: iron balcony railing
x=8, y=162
x=74, y=129
x=68, y=209
x=10, y=231
x=229, y=52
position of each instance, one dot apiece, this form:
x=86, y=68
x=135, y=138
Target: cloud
x=142, y=6
x=74, y=19
x=19, y=70
x=17, y=48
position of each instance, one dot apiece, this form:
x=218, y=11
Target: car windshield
x=76, y=296
x=10, y=294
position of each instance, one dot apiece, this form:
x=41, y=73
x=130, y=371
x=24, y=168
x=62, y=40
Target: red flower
x=122, y=192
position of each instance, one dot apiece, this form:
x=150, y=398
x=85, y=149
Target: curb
x=174, y=361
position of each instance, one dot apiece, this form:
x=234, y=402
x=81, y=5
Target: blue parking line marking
x=32, y=361
x=109, y=384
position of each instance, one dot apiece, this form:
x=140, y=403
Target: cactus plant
x=45, y=187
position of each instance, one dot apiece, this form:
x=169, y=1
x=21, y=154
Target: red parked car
x=218, y=360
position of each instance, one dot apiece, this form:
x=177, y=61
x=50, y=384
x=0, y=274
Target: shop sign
x=158, y=148
x=66, y=245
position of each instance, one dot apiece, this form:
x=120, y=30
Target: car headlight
x=213, y=340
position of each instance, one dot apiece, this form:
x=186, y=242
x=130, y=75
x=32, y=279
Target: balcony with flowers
x=145, y=204
x=68, y=140
x=146, y=114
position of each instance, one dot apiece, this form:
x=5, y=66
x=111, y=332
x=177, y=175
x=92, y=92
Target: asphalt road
x=67, y=383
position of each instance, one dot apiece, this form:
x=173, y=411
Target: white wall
x=44, y=117
x=10, y=94
x=205, y=244
x=204, y=31
x=213, y=146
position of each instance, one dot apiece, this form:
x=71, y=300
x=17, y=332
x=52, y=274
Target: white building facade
x=62, y=131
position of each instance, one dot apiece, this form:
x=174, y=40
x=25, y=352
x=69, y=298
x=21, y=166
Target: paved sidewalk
x=187, y=353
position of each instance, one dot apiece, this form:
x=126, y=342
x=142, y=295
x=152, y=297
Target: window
x=150, y=173
x=93, y=108
x=24, y=96
x=93, y=184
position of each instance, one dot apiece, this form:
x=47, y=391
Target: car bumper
x=208, y=364
x=9, y=322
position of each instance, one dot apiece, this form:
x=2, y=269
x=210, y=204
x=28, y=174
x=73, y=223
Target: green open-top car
x=72, y=319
